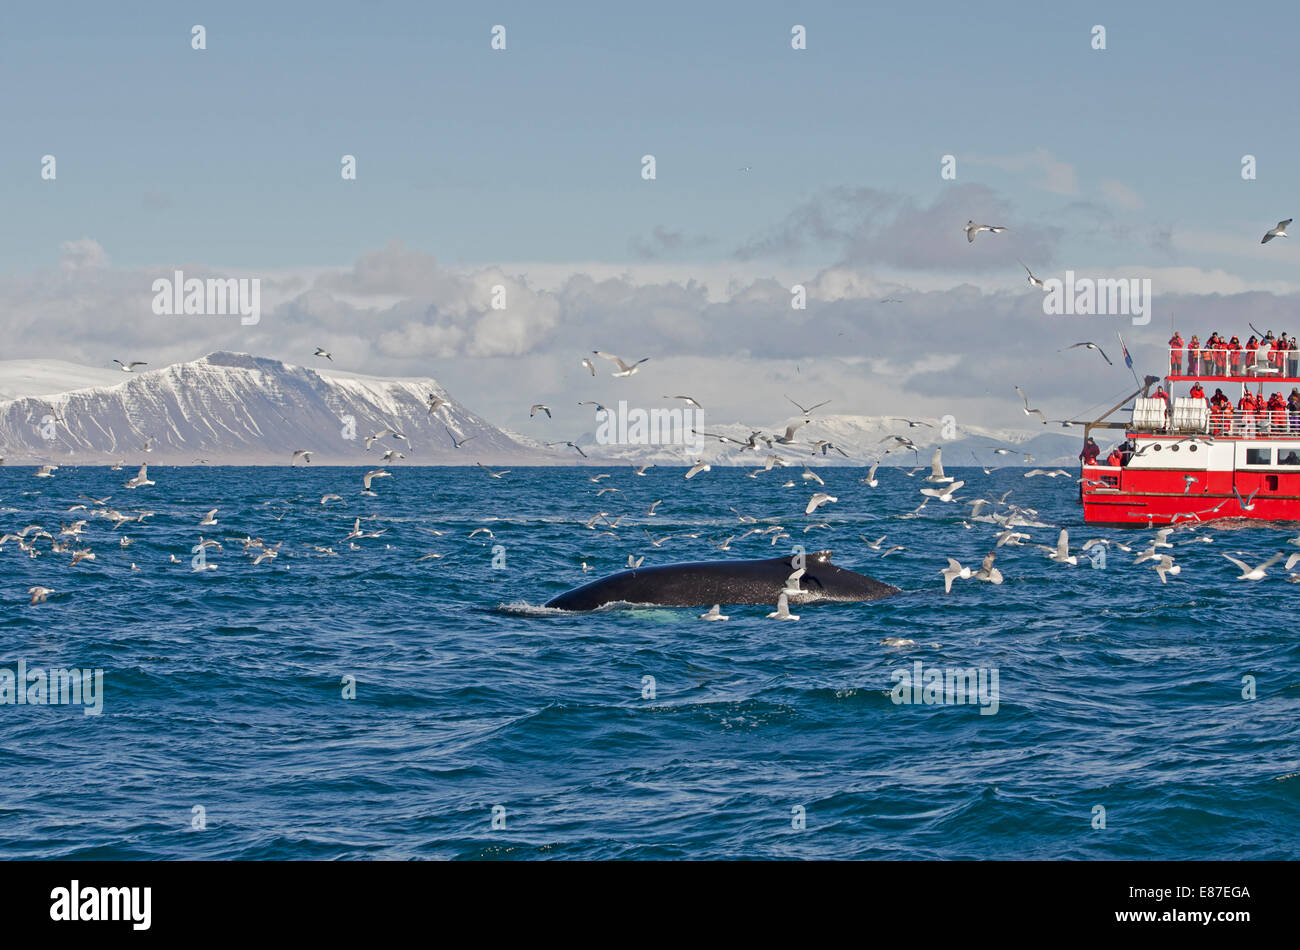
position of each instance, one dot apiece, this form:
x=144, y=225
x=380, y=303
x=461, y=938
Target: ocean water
x=223, y=691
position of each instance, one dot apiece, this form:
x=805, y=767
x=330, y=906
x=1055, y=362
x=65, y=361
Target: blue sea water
x=224, y=689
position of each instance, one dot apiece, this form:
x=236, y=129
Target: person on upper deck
x=1176, y=354
x=1252, y=348
x=1234, y=356
x=1194, y=355
x=1292, y=358
x=1090, y=451
x=1220, y=355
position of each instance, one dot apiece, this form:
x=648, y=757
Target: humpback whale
x=704, y=583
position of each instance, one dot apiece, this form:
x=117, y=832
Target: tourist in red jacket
x=1194, y=355
x=1234, y=356
x=1176, y=354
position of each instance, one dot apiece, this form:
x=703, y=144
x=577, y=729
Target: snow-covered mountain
x=232, y=408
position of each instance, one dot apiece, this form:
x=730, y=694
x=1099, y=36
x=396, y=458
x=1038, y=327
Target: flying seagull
x=321, y=352
x=1091, y=346
x=1279, y=231
x=130, y=367
x=1033, y=412
x=973, y=229
x=533, y=411
x=1032, y=279
x=808, y=411
x=623, y=368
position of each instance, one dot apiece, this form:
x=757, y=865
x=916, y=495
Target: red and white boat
x=1189, y=461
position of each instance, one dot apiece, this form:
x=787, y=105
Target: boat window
x=1192, y=447
x=1259, y=456
x=1174, y=447
x=1157, y=447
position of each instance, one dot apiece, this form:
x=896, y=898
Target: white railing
x=1263, y=362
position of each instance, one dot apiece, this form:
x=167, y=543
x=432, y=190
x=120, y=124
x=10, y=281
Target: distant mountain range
x=233, y=408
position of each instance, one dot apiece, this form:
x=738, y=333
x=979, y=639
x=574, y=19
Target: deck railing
x=1263, y=362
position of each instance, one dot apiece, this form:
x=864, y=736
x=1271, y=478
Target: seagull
x=809, y=410
x=641, y=469
x=209, y=518
x=698, y=467
x=321, y=352
x=1028, y=411
x=130, y=367
x=1032, y=279
x=370, y=476
x=871, y=481
x=874, y=545
x=715, y=613
x=953, y=571
x=1012, y=537
x=623, y=368
x=936, y=469
x=896, y=547
x=304, y=454
x=1279, y=231
x=141, y=478
x=943, y=494
x=1257, y=572
x=1247, y=504
x=987, y=571
x=782, y=611
x=458, y=443
x=505, y=471
x=533, y=411
x=635, y=562
x=826, y=447
x=436, y=402
x=817, y=500
x=390, y=454
x=1054, y=473
x=572, y=445
x=788, y=438
x=591, y=366
x=912, y=424
x=973, y=229
x=1061, y=554
x=1089, y=345
x=45, y=471
x=39, y=594
x=690, y=400
x=1165, y=565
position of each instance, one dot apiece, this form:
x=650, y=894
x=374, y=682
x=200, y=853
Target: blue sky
x=522, y=167
x=230, y=156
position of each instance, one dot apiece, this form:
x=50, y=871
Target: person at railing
x=1197, y=390
x=1090, y=451
x=1220, y=355
x=1252, y=354
x=1292, y=358
x=1293, y=408
x=1194, y=356
x=1116, y=457
x=1247, y=410
x=1176, y=354
x=1234, y=356
x=1277, y=412
x=1280, y=345
x=1207, y=354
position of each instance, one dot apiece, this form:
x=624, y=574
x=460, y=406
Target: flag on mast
x=1128, y=360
